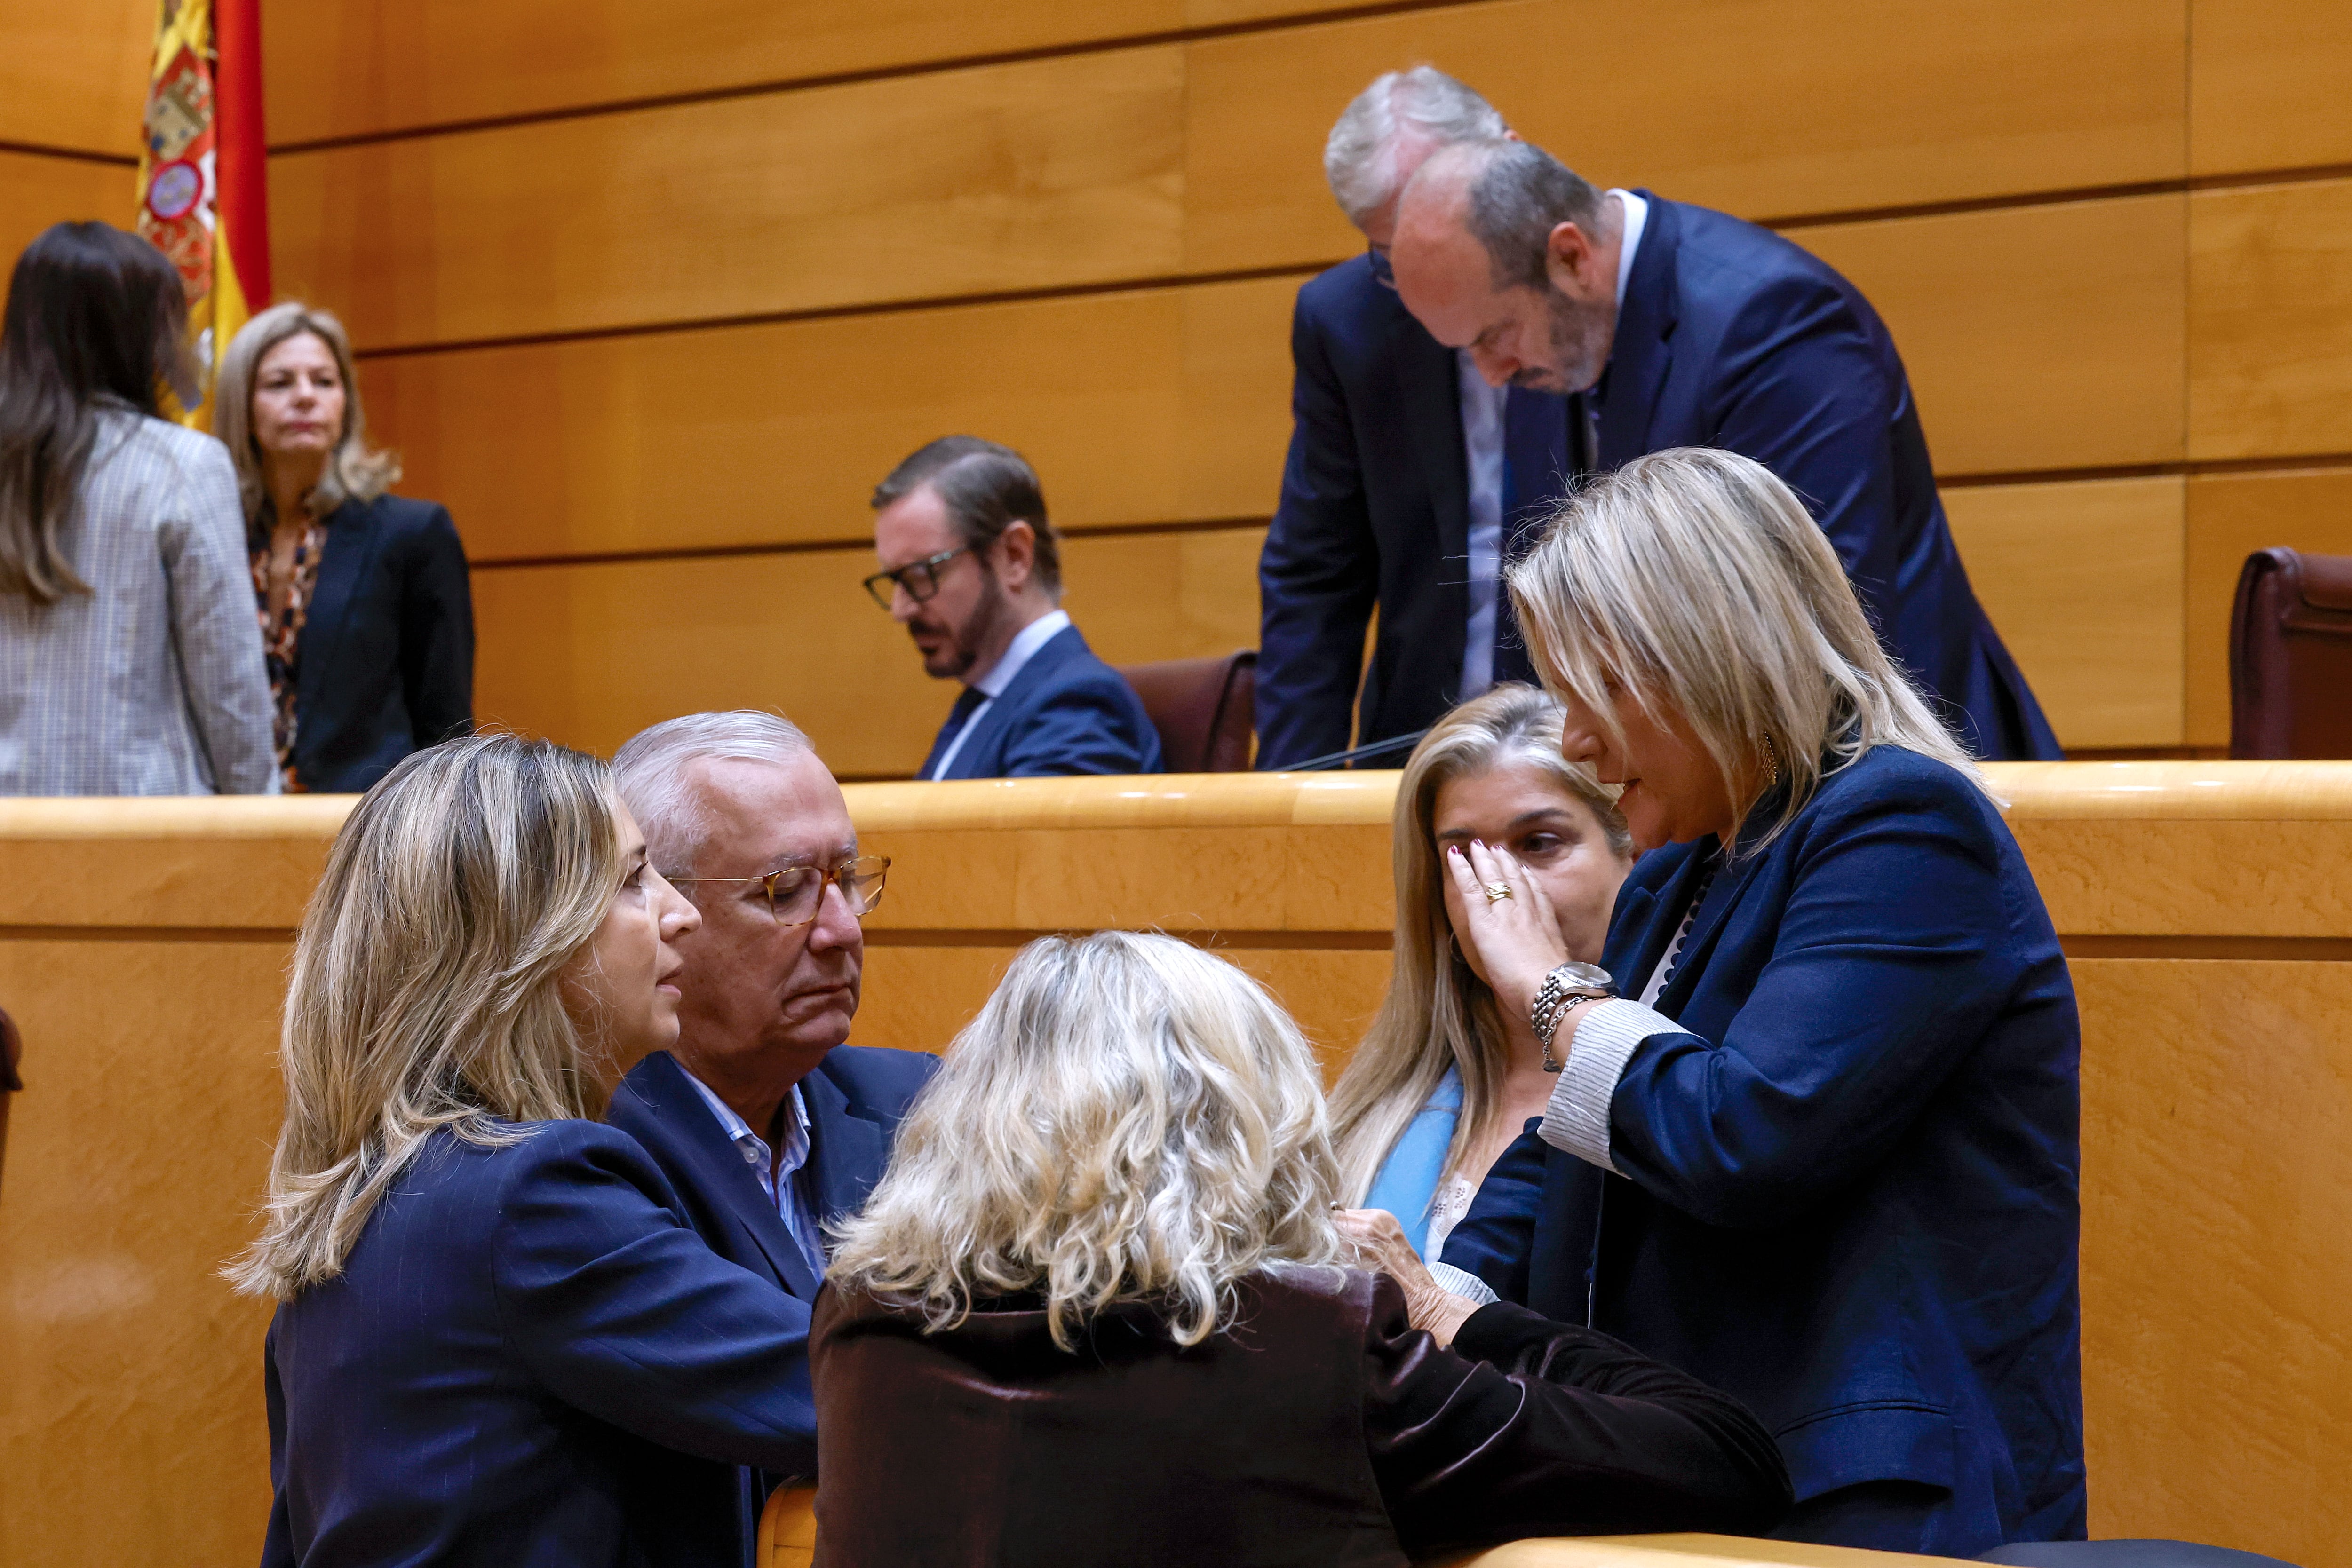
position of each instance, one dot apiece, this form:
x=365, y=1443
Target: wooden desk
x=2205, y=907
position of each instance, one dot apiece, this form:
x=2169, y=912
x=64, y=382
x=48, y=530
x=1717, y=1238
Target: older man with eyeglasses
x=973, y=571
x=765, y=1123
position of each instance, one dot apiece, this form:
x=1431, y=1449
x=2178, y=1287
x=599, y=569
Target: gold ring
x=1497, y=891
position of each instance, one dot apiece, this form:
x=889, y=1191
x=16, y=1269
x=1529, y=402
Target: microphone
x=1360, y=754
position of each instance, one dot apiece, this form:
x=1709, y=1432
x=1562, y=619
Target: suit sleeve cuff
x=1461, y=1282
x=1576, y=1121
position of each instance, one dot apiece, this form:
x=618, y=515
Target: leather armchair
x=1203, y=708
x=2291, y=656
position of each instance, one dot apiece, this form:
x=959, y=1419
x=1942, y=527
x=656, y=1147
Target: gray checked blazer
x=152, y=683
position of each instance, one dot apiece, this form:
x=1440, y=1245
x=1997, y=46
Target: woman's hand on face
x=1380, y=1246
x=1517, y=937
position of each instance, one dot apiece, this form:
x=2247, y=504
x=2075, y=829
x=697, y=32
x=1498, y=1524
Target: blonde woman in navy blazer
x=498, y=1338
x=366, y=610
x=1822, y=1151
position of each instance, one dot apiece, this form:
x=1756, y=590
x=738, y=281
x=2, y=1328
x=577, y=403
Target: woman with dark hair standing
x=362, y=595
x=129, y=662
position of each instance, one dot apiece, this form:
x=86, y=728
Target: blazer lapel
x=983, y=754
x=847, y=1151
x=1643, y=353
x=697, y=1139
x=1645, y=922
x=1429, y=384
x=347, y=560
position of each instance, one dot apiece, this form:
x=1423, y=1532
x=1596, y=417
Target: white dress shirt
x=1026, y=643
x=778, y=1170
x=1482, y=447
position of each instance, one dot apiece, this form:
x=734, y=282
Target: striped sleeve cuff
x=1461, y=1282
x=1576, y=1122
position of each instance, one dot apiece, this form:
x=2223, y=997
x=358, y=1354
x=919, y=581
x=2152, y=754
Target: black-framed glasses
x=921, y=579
x=795, y=894
x=1383, y=273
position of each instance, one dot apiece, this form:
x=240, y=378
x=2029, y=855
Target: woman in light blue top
x=1444, y=1079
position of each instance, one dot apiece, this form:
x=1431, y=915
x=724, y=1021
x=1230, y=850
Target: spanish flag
x=203, y=192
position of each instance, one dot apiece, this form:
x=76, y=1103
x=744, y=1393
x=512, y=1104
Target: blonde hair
x=1695, y=580
x=424, y=995
x=353, y=471
x=1437, y=1013
x=1128, y=1119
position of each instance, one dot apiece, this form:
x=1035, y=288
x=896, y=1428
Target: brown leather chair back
x=12, y=1050
x=2291, y=656
x=1203, y=708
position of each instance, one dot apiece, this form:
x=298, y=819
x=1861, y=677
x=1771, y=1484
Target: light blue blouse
x=1408, y=1177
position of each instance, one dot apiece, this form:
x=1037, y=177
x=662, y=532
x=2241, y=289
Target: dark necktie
x=1538, y=463
x=957, y=716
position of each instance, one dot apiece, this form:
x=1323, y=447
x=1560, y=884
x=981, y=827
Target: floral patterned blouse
x=281, y=637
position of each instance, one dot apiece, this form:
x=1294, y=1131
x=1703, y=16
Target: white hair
x=1696, y=581
x=1360, y=158
x=1128, y=1119
x=650, y=771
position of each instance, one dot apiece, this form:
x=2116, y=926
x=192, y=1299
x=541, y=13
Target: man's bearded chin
x=1579, y=344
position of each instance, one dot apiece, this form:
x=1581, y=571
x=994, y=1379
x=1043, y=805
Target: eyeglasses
x=919, y=579
x=795, y=894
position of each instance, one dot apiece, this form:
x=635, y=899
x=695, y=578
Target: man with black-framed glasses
x=973, y=570
x=768, y=1125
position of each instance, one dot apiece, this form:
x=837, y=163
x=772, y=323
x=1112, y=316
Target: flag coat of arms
x=203, y=194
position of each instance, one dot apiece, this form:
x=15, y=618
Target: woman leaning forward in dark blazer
x=1822, y=1152
x=1093, y=1315
x=498, y=1340
x=366, y=615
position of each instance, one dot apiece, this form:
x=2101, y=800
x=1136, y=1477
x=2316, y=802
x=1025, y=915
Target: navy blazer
x=1849, y=1191
x=384, y=664
x=530, y=1361
x=1375, y=509
x=1065, y=712
x=1729, y=336
x=855, y=1098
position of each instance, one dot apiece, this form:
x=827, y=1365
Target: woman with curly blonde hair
x=1095, y=1315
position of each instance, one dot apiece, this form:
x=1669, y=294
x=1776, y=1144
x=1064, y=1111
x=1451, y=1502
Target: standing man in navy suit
x=768, y=1126
x=973, y=571
x=1409, y=479
x=1675, y=325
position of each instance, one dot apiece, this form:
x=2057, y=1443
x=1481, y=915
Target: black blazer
x=385, y=662
x=1730, y=337
x=1314, y=1427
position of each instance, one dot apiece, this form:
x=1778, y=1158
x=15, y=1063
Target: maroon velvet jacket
x=1316, y=1427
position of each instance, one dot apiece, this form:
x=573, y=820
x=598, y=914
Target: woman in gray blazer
x=130, y=656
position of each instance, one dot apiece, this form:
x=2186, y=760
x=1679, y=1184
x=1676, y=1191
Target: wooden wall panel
x=36, y=191
x=2083, y=582
x=1036, y=175
x=2041, y=337
x=73, y=73
x=1761, y=113
x=1153, y=406
x=2037, y=337
x=130, y=1409
x=2214, y=1432
x=591, y=653
x=2268, y=88
x=2231, y=515
x=362, y=67
x=2270, y=320
x=917, y=998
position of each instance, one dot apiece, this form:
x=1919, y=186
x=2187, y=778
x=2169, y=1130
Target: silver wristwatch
x=1564, y=990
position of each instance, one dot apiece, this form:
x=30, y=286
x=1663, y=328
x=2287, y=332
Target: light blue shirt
x=1407, y=1183
x=1023, y=648
x=779, y=1171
